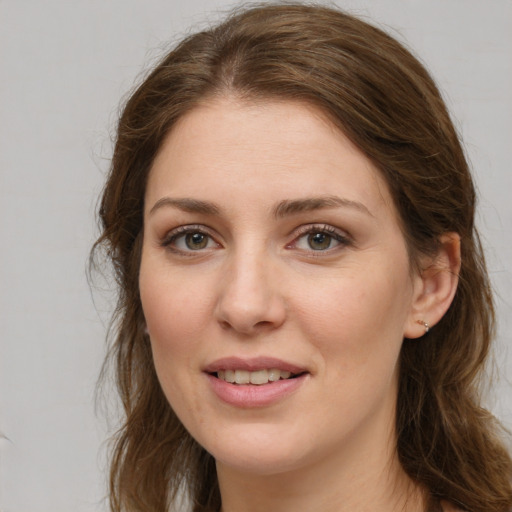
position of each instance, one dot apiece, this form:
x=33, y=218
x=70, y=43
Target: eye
x=319, y=238
x=193, y=241
x=189, y=239
x=320, y=241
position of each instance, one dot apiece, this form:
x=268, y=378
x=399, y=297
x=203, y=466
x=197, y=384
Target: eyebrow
x=284, y=208
x=291, y=207
x=187, y=205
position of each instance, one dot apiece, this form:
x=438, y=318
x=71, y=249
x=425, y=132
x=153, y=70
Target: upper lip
x=252, y=364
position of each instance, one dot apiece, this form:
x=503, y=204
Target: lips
x=252, y=365
x=255, y=382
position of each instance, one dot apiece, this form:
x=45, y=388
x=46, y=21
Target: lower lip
x=251, y=395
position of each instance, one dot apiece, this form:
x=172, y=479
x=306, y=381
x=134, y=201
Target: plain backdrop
x=64, y=67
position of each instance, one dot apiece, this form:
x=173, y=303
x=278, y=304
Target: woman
x=304, y=309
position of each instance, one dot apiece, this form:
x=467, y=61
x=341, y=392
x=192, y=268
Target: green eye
x=188, y=239
x=196, y=241
x=320, y=238
x=319, y=241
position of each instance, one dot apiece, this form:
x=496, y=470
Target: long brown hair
x=383, y=99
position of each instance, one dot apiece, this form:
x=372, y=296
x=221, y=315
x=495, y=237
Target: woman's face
x=273, y=254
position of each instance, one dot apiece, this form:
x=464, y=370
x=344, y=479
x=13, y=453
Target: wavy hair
x=378, y=94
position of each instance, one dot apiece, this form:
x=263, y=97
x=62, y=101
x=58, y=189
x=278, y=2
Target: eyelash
x=182, y=231
x=342, y=238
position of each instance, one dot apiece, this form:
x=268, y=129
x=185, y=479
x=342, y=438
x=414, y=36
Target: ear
x=434, y=285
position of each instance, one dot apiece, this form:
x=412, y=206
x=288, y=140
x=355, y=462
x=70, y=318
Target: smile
x=255, y=382
x=258, y=377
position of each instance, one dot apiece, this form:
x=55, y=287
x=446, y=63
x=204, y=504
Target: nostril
x=225, y=325
x=263, y=323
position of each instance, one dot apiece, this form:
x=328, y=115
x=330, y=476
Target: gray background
x=64, y=66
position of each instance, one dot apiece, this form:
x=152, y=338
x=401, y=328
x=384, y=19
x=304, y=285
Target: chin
x=255, y=453
x=259, y=464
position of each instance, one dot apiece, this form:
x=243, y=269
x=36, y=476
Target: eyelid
x=342, y=236
x=172, y=235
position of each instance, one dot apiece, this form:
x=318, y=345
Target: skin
x=258, y=287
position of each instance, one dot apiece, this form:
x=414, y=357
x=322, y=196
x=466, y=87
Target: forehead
x=275, y=148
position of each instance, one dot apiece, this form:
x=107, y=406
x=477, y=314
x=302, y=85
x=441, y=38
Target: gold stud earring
x=425, y=324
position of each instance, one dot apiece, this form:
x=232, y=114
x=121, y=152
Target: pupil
x=319, y=241
x=196, y=241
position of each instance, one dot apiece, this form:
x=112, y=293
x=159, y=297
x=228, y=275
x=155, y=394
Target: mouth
x=257, y=371
x=247, y=383
x=257, y=377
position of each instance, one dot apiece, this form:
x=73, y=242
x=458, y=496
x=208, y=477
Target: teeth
x=258, y=377
x=274, y=375
x=242, y=377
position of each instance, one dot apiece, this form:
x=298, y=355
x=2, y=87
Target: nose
x=250, y=299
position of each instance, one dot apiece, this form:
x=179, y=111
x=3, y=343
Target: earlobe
x=425, y=325
x=435, y=287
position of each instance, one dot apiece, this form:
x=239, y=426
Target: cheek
x=175, y=315
x=359, y=321
x=174, y=308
